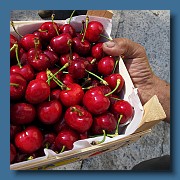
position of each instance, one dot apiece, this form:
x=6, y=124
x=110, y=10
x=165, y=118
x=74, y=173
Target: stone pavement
x=151, y=29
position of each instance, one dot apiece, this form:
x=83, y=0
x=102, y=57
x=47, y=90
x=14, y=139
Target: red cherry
x=37, y=91
x=67, y=79
x=97, y=51
x=26, y=71
x=48, y=30
x=106, y=65
x=77, y=68
x=13, y=153
x=29, y=140
x=66, y=138
x=28, y=42
x=81, y=47
x=49, y=112
x=55, y=94
x=65, y=58
x=72, y=95
x=38, y=60
x=93, y=31
x=112, y=81
x=18, y=86
x=67, y=28
x=78, y=118
x=52, y=56
x=49, y=139
x=59, y=44
x=22, y=113
x=106, y=122
x=95, y=101
x=14, y=129
x=122, y=107
x=60, y=125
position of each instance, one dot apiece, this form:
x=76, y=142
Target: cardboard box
x=144, y=119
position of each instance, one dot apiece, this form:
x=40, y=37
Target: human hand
x=137, y=64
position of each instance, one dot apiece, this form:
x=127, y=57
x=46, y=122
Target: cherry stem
x=82, y=30
x=30, y=158
x=117, y=128
x=87, y=87
x=48, y=81
x=36, y=43
x=74, y=109
x=52, y=18
x=117, y=85
x=63, y=148
x=12, y=24
x=40, y=30
x=15, y=46
x=93, y=61
x=108, y=38
x=116, y=63
x=115, y=98
x=102, y=80
x=14, y=84
x=53, y=75
x=99, y=142
x=70, y=49
x=71, y=16
x=87, y=21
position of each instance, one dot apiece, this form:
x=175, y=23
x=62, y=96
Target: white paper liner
x=130, y=93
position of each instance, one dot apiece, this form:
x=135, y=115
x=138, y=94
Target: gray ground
x=152, y=30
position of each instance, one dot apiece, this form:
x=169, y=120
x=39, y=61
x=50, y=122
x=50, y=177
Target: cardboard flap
x=100, y=13
x=153, y=114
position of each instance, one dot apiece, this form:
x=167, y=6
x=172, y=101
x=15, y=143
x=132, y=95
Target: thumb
x=123, y=47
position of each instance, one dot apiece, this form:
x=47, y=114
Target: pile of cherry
x=63, y=88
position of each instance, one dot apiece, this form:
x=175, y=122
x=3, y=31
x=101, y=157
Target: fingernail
x=110, y=44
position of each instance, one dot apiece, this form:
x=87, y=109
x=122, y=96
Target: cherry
x=95, y=101
x=93, y=31
x=77, y=68
x=71, y=95
x=29, y=140
x=59, y=44
x=49, y=112
x=66, y=138
x=18, y=86
x=14, y=129
x=67, y=79
x=48, y=30
x=22, y=113
x=66, y=58
x=97, y=51
x=82, y=47
x=124, y=108
x=105, y=121
x=52, y=56
x=78, y=118
x=60, y=125
x=13, y=153
x=112, y=80
x=26, y=71
x=67, y=28
x=28, y=42
x=55, y=94
x=49, y=139
x=38, y=59
x=106, y=65
x=37, y=91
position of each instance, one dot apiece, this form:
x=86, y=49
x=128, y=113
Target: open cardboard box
x=145, y=117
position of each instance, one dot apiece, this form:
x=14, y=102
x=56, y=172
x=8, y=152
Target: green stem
x=53, y=75
x=117, y=85
x=99, y=142
x=52, y=17
x=116, y=63
x=85, y=88
x=15, y=46
x=63, y=148
x=70, y=49
x=71, y=16
x=82, y=30
x=87, y=21
x=102, y=80
x=108, y=38
x=14, y=84
x=12, y=24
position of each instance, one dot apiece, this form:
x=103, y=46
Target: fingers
x=124, y=47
